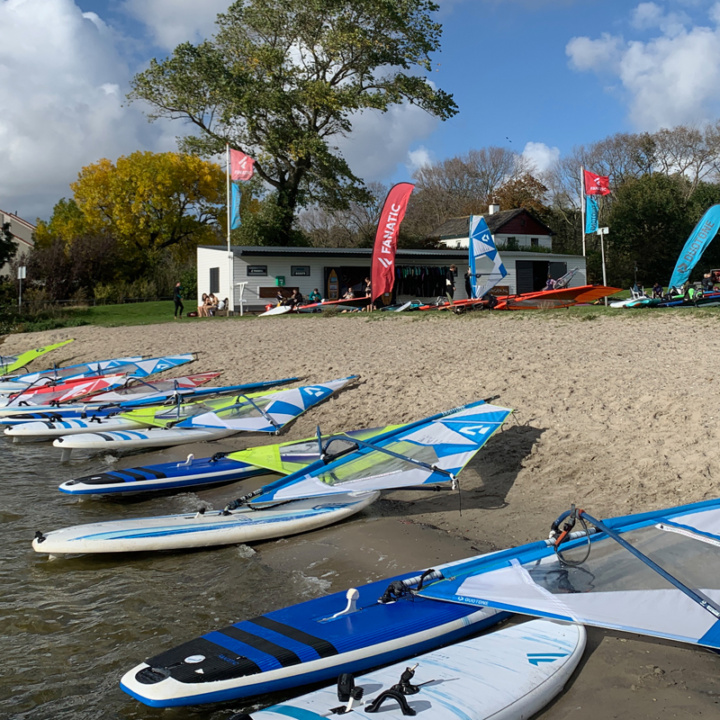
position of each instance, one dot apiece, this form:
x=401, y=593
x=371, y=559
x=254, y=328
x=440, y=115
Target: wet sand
x=617, y=414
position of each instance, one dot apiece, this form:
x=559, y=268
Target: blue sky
x=537, y=76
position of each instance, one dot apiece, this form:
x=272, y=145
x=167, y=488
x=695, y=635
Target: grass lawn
x=161, y=311
x=147, y=313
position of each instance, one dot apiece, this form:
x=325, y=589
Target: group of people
x=296, y=299
x=210, y=305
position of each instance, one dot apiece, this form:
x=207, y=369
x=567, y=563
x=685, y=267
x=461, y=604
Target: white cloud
x=668, y=80
x=649, y=15
x=379, y=142
x=419, y=158
x=587, y=54
x=171, y=22
x=541, y=156
x=63, y=84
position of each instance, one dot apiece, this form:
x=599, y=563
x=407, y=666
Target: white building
x=22, y=232
x=260, y=272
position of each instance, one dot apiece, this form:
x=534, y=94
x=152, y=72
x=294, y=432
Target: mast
x=231, y=264
x=582, y=206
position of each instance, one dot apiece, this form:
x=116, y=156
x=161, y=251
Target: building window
x=300, y=270
x=214, y=280
x=534, y=242
x=255, y=270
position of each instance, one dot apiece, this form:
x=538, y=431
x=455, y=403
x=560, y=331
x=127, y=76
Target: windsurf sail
x=288, y=457
x=68, y=372
x=179, y=408
x=268, y=413
x=695, y=246
x=564, y=280
x=654, y=573
x=432, y=450
x=10, y=363
x=482, y=246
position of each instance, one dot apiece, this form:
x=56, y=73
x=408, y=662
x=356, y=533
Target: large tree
x=148, y=202
x=8, y=246
x=282, y=79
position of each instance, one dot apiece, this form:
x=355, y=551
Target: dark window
x=256, y=270
x=300, y=270
x=214, y=280
x=534, y=242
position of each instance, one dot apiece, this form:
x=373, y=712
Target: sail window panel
x=374, y=465
x=244, y=409
x=611, y=567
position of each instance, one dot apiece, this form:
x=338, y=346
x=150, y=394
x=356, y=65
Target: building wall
x=23, y=232
x=208, y=258
x=501, y=239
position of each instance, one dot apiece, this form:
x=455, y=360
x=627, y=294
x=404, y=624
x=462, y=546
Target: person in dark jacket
x=177, y=299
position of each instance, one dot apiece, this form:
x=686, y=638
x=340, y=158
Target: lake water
x=71, y=627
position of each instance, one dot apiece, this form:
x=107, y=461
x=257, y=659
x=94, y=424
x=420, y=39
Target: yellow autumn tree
x=152, y=201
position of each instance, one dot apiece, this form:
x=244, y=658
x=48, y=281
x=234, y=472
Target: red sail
x=383, y=260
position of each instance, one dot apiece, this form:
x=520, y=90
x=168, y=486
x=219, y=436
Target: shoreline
x=616, y=414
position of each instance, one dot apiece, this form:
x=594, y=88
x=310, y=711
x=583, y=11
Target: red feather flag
x=383, y=259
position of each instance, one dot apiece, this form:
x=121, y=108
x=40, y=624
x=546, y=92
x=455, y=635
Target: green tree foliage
x=66, y=224
x=649, y=221
x=8, y=246
x=282, y=78
x=89, y=260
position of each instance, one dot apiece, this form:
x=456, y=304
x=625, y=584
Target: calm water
x=70, y=628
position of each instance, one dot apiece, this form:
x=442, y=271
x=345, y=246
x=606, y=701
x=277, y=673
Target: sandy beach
x=617, y=414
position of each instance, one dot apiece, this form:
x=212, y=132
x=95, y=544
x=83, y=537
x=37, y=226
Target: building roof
x=461, y=254
x=366, y=252
x=459, y=227
x=21, y=230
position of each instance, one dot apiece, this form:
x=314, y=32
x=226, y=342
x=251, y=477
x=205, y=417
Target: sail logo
x=474, y=431
x=385, y=262
x=314, y=391
x=537, y=658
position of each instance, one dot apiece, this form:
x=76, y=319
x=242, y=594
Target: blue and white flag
x=482, y=245
x=235, y=212
x=591, y=214
x=695, y=246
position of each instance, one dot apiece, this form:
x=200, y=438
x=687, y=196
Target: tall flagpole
x=231, y=264
x=582, y=208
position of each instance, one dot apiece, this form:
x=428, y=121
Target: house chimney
x=492, y=209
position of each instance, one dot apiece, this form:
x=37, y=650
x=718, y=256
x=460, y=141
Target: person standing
x=468, y=284
x=450, y=282
x=177, y=299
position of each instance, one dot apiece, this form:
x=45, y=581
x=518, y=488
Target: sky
x=539, y=77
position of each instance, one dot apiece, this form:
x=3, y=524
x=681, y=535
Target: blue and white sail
x=130, y=366
x=481, y=246
x=269, y=413
x=655, y=573
x=432, y=450
x=695, y=246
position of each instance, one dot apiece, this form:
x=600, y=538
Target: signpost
x=22, y=274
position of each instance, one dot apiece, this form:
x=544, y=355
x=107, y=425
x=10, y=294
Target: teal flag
x=235, y=212
x=591, y=214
